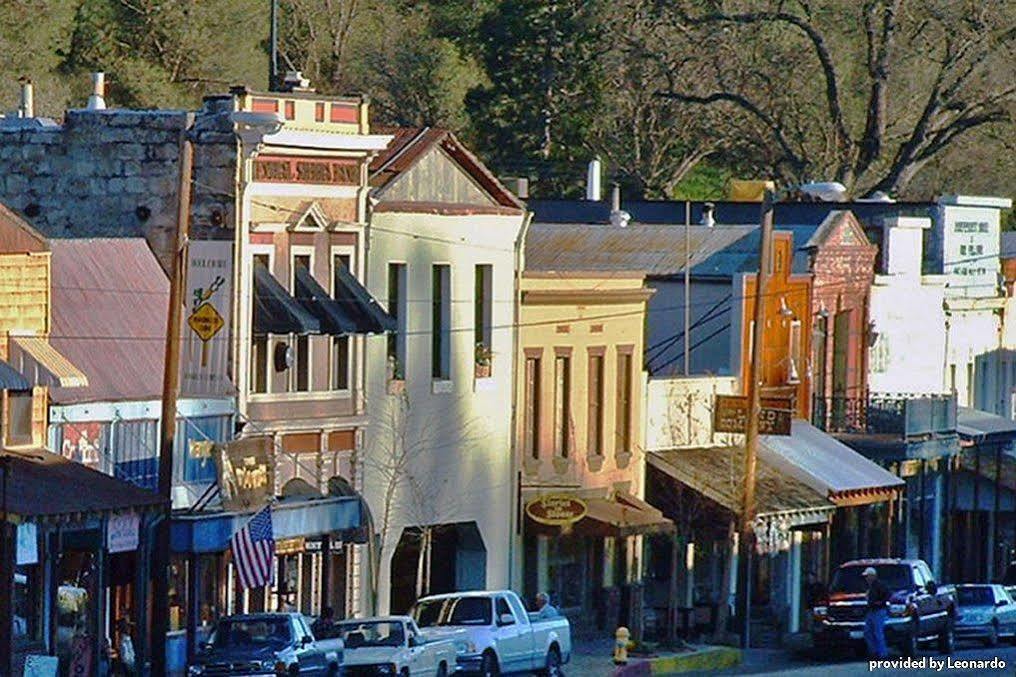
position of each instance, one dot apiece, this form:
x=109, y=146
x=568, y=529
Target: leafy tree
x=33, y=34
x=542, y=58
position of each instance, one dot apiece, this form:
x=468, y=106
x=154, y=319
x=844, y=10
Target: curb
x=706, y=658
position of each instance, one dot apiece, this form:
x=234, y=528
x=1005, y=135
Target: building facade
x=445, y=250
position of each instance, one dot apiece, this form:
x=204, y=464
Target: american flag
x=253, y=549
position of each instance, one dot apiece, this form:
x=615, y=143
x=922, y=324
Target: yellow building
x=579, y=441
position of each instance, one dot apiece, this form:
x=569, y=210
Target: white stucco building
x=444, y=245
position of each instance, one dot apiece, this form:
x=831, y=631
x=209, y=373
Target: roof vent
x=27, y=107
x=707, y=215
x=593, y=180
x=96, y=100
x=618, y=217
x=295, y=82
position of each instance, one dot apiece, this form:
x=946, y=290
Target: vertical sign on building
x=209, y=303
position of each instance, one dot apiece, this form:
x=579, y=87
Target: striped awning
x=43, y=364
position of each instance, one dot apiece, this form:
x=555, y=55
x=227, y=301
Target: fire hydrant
x=621, y=638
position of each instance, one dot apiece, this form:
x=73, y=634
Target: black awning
x=12, y=379
x=370, y=316
x=275, y=311
x=353, y=311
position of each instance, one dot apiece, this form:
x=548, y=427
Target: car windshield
x=975, y=595
x=382, y=633
x=850, y=579
x=454, y=611
x=261, y=632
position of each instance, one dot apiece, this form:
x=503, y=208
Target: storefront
x=584, y=549
x=78, y=565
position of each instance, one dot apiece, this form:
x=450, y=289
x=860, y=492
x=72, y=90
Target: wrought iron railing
x=907, y=416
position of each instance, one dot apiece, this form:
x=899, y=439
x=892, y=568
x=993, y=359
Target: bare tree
x=866, y=93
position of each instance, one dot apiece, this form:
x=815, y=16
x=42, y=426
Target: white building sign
x=122, y=533
x=205, y=355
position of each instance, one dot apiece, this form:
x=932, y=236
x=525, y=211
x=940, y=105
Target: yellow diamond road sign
x=206, y=321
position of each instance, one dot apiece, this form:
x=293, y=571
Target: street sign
x=731, y=415
x=206, y=321
x=556, y=509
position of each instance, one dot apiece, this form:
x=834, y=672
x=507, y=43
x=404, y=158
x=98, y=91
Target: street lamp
x=829, y=192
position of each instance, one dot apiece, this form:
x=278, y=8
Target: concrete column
x=935, y=559
x=689, y=576
x=795, y=581
x=609, y=561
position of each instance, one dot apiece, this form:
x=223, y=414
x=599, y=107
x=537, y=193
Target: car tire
x=992, y=639
x=333, y=670
x=442, y=670
x=489, y=666
x=947, y=638
x=552, y=664
x=909, y=647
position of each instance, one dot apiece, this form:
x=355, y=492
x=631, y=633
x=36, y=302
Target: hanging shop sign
x=27, y=544
x=556, y=509
x=205, y=358
x=730, y=415
x=122, y=532
x=246, y=472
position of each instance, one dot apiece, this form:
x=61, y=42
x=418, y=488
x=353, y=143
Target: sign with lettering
x=122, y=532
x=27, y=544
x=556, y=509
x=41, y=666
x=730, y=415
x=246, y=472
x=209, y=303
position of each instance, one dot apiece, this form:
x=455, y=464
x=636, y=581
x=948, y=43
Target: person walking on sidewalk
x=875, y=617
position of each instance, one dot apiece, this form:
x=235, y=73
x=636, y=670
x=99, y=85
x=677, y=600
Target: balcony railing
x=906, y=416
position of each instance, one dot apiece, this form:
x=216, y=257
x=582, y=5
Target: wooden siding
x=436, y=178
x=24, y=292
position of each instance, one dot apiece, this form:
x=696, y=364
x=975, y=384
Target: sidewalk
x=595, y=658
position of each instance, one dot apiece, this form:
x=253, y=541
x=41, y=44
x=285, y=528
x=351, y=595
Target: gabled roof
x=837, y=222
x=109, y=302
x=412, y=143
x=17, y=236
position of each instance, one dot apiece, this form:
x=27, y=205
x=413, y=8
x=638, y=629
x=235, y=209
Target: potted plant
x=482, y=360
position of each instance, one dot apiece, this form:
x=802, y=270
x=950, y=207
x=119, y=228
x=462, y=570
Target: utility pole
x=170, y=386
x=746, y=539
x=7, y=559
x=273, y=41
x=687, y=287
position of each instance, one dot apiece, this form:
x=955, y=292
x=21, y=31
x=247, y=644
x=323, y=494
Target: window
x=594, y=424
x=319, y=112
x=531, y=413
x=623, y=427
x=299, y=379
x=19, y=417
x=562, y=405
x=341, y=345
x=397, y=309
x=440, y=356
x=502, y=609
x=259, y=344
x=482, y=302
x=290, y=110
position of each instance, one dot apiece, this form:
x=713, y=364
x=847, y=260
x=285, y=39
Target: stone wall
x=115, y=173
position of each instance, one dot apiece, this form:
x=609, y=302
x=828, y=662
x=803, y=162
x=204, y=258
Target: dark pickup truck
x=919, y=609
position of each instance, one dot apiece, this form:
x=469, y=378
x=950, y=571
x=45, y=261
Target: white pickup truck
x=392, y=645
x=495, y=634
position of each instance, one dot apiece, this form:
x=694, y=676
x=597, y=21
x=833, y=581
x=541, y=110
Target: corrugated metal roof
x=742, y=256
x=823, y=462
x=974, y=423
x=718, y=472
x=109, y=305
x=1008, y=245
x=647, y=248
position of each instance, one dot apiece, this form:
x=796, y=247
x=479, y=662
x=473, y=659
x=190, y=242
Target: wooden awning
x=43, y=364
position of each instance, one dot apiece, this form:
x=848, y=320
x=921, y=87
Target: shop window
x=28, y=603
x=259, y=345
x=341, y=345
x=532, y=408
x=397, y=309
x=623, y=423
x=594, y=423
x=562, y=405
x=19, y=417
x=441, y=316
x=483, y=302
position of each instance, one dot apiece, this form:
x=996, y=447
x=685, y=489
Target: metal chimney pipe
x=615, y=198
x=707, y=215
x=27, y=108
x=593, y=174
x=96, y=100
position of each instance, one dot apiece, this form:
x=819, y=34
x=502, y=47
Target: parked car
x=267, y=644
x=495, y=634
x=393, y=645
x=919, y=609
x=985, y=612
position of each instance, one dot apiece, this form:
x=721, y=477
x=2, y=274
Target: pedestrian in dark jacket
x=875, y=618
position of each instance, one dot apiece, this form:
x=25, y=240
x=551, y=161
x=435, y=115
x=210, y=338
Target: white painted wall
x=907, y=317
x=679, y=411
x=461, y=428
